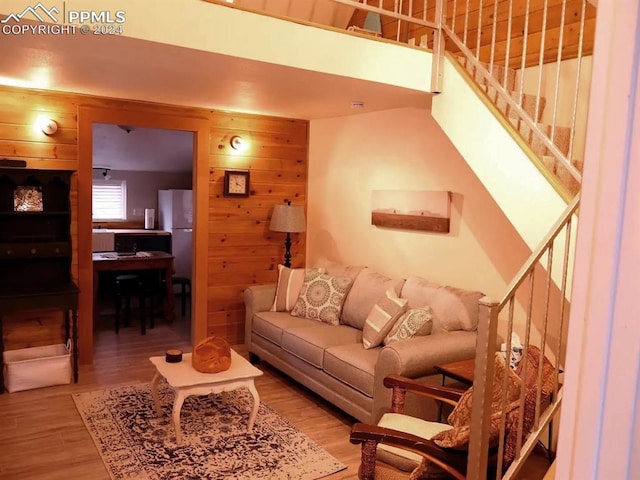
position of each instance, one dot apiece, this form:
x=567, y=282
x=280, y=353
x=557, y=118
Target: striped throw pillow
x=382, y=317
x=290, y=282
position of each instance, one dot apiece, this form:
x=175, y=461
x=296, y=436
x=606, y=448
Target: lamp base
x=287, y=251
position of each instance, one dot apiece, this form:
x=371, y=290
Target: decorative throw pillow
x=460, y=417
x=413, y=323
x=382, y=317
x=290, y=282
x=321, y=297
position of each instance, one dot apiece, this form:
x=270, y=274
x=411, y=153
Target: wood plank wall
x=570, y=32
x=242, y=251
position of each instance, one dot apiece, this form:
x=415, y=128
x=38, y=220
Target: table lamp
x=290, y=219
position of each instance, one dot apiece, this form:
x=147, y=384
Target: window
x=109, y=200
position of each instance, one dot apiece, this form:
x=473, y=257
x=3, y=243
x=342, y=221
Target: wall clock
x=236, y=183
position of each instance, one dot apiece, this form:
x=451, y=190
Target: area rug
x=135, y=444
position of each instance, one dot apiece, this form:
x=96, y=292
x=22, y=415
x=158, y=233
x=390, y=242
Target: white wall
x=404, y=149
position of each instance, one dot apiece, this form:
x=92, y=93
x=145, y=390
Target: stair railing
x=487, y=34
x=543, y=310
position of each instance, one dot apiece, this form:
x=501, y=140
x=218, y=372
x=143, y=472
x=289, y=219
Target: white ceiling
x=123, y=67
x=142, y=149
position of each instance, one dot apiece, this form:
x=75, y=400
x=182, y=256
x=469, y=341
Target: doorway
x=142, y=204
x=147, y=117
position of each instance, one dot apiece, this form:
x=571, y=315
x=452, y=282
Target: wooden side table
x=462, y=371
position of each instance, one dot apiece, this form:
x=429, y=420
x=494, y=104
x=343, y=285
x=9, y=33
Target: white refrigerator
x=175, y=215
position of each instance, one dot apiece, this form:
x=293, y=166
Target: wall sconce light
x=106, y=174
x=237, y=143
x=288, y=218
x=47, y=125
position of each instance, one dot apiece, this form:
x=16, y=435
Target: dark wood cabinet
x=35, y=247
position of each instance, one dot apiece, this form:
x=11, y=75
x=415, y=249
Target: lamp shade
x=288, y=218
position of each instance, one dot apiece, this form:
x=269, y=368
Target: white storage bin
x=37, y=367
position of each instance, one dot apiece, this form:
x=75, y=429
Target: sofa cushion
x=290, y=282
x=353, y=365
x=338, y=269
x=309, y=342
x=452, y=308
x=413, y=323
x=368, y=287
x=382, y=318
x=269, y=325
x=321, y=297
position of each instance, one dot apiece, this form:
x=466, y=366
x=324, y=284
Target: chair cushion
x=382, y=317
x=400, y=458
x=321, y=297
x=414, y=322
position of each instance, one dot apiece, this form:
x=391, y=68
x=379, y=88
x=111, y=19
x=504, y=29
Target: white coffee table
x=186, y=381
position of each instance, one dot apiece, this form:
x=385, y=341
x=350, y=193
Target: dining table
x=137, y=261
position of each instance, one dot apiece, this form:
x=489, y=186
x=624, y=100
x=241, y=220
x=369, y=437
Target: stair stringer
x=519, y=188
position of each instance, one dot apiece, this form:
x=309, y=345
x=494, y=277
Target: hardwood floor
x=42, y=436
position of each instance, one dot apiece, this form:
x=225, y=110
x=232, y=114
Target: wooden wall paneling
x=554, y=13
x=569, y=45
x=231, y=121
x=278, y=164
x=22, y=133
x=228, y=323
x=226, y=298
x=243, y=251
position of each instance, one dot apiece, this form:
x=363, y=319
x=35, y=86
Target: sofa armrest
x=416, y=358
x=257, y=298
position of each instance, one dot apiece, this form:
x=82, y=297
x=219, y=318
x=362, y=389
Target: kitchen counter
x=130, y=240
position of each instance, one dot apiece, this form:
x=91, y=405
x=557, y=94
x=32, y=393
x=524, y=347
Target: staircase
x=534, y=107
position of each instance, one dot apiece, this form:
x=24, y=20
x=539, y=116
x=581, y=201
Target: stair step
x=551, y=163
x=497, y=73
x=561, y=138
x=562, y=173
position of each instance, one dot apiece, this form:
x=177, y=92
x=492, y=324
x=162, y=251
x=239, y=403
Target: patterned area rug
x=135, y=444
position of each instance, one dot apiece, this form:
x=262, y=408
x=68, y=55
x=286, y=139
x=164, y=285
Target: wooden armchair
x=404, y=447
x=422, y=457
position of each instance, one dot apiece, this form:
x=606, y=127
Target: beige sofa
x=331, y=360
